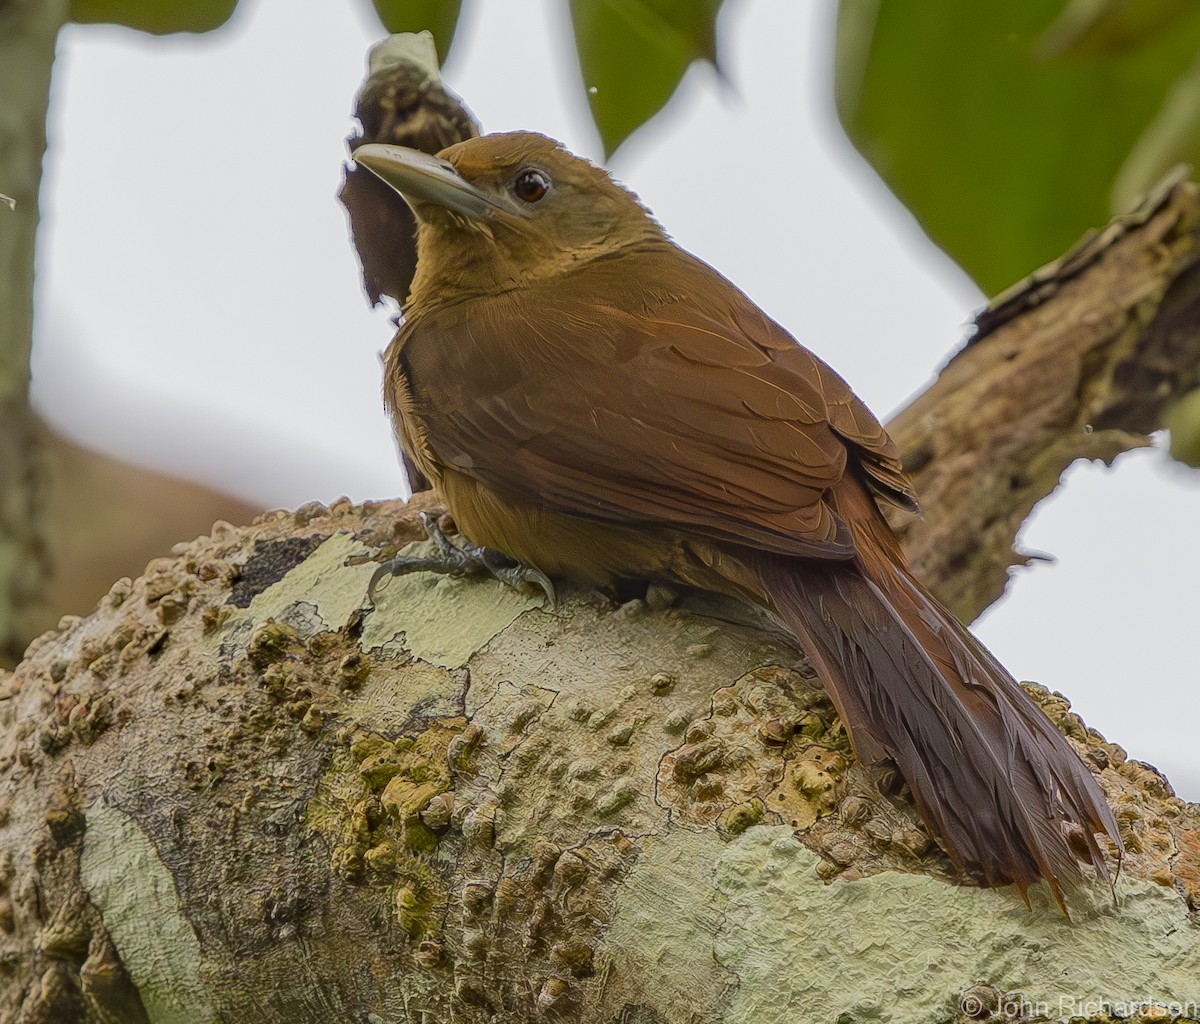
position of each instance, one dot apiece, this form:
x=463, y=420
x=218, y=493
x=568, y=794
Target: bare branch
x=1078, y=361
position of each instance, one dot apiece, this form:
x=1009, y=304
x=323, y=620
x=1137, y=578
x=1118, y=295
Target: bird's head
x=502, y=211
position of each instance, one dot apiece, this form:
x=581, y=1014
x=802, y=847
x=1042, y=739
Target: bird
x=594, y=404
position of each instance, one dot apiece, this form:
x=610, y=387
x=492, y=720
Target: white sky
x=199, y=305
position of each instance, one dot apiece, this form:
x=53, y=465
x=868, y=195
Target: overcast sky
x=199, y=307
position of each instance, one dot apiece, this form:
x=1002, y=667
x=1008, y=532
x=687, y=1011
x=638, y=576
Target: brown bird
x=599, y=405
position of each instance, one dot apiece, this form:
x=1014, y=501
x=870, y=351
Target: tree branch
x=1078, y=361
x=27, y=36
x=237, y=792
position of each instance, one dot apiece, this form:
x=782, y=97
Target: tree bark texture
x=236, y=792
x=103, y=518
x=1080, y=360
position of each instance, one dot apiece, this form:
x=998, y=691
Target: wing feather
x=687, y=406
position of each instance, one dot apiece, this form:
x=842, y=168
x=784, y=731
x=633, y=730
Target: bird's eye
x=531, y=186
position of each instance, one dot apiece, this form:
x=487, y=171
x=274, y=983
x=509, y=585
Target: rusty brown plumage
x=597, y=403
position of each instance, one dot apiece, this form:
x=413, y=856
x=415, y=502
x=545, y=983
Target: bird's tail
x=999, y=786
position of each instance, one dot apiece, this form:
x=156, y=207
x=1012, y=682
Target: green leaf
x=1110, y=27
x=1010, y=127
x=160, y=17
x=633, y=54
x=438, y=17
x=1171, y=138
x=1183, y=421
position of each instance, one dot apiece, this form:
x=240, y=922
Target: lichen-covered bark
x=238, y=792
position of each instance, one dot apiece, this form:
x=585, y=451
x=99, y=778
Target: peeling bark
x=402, y=102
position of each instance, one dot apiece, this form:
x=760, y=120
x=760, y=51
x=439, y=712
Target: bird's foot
x=461, y=560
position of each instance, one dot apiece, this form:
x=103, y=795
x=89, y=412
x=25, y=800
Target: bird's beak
x=423, y=179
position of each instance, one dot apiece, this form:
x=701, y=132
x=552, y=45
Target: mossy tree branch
x=238, y=792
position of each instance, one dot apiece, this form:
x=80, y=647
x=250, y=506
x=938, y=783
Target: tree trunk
x=71, y=520
x=27, y=35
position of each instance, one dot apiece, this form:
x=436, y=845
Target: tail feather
x=999, y=786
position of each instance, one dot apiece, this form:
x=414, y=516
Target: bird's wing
x=640, y=405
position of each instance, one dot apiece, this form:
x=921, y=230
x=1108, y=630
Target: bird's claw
x=520, y=576
x=460, y=560
x=462, y=557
